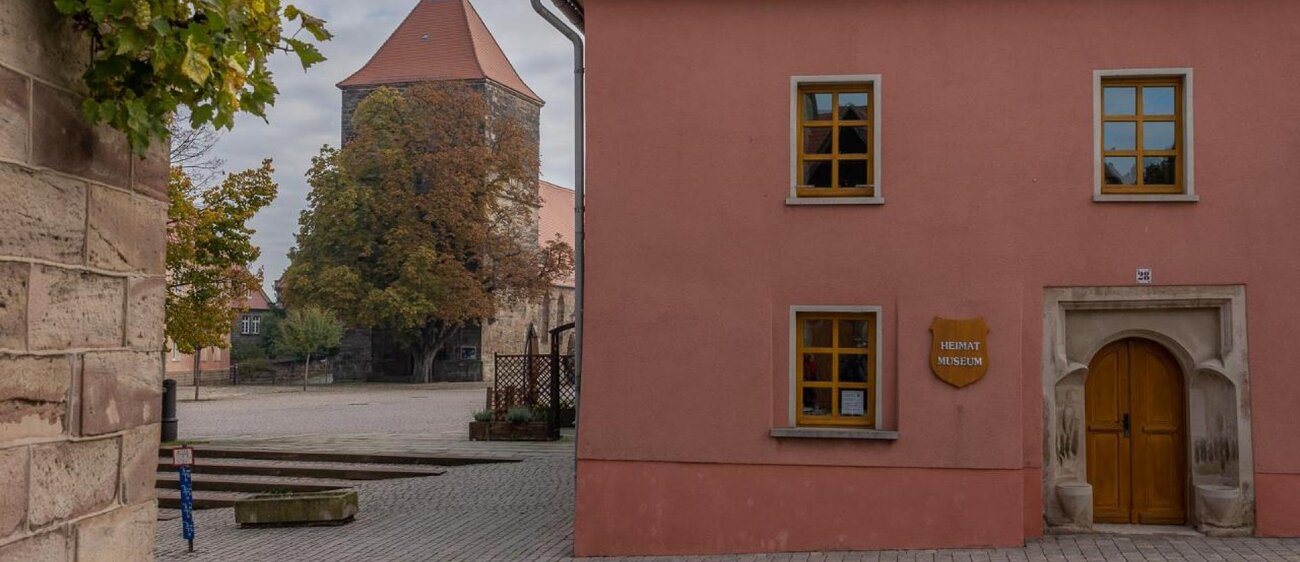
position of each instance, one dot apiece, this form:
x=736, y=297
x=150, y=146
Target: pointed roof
x=440, y=40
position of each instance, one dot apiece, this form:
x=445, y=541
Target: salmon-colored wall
x=693, y=257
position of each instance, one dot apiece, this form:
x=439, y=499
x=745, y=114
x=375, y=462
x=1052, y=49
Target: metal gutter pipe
x=579, y=188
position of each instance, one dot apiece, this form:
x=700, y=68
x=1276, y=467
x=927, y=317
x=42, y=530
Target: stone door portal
x=1136, y=434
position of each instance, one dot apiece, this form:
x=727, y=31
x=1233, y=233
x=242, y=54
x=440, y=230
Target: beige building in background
x=82, y=242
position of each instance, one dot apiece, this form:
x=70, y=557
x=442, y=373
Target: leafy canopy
x=209, y=244
x=307, y=330
x=425, y=221
x=154, y=56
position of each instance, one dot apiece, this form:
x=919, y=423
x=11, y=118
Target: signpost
x=182, y=460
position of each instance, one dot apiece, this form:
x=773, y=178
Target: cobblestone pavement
x=514, y=511
x=262, y=411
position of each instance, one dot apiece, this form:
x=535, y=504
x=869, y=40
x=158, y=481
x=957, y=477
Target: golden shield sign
x=959, y=353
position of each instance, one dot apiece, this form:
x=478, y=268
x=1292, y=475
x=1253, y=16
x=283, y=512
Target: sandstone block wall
x=82, y=241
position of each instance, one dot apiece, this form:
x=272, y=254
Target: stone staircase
x=222, y=476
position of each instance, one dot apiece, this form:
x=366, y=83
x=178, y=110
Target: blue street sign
x=187, y=506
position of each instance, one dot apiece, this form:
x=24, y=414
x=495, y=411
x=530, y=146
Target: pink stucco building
x=787, y=195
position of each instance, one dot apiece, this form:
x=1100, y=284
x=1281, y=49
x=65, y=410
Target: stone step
x=297, y=469
x=324, y=456
x=250, y=483
x=171, y=499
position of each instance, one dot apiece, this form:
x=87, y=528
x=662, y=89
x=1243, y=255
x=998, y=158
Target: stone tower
x=441, y=41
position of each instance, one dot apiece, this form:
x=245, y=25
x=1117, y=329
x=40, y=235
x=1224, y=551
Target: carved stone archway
x=1204, y=328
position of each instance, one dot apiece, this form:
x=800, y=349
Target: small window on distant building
x=468, y=352
x=176, y=355
x=835, y=368
x=257, y=324
x=245, y=325
x=216, y=354
x=1144, y=133
x=835, y=139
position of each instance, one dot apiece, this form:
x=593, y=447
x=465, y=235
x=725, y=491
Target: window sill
x=833, y=433
x=835, y=201
x=1145, y=198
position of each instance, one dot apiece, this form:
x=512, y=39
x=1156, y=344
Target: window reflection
x=817, y=173
x=1120, y=135
x=817, y=107
x=1158, y=100
x=853, y=368
x=1119, y=100
x=1158, y=135
x=853, y=140
x=1159, y=170
x=853, y=106
x=853, y=173
x=817, y=402
x=1121, y=170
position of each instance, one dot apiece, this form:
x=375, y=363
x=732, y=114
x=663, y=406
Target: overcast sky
x=306, y=114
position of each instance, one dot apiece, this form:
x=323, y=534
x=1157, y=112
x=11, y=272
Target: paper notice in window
x=853, y=402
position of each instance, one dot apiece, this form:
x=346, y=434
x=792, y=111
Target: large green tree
x=425, y=221
x=208, y=247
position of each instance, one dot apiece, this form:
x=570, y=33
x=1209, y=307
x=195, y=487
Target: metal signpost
x=182, y=460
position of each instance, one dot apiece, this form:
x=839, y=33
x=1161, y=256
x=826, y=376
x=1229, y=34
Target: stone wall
x=82, y=240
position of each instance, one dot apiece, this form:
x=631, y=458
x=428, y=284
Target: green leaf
x=195, y=65
x=307, y=53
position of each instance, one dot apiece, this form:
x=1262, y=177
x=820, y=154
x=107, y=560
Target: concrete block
x=44, y=215
x=121, y=534
x=126, y=232
x=33, y=397
x=73, y=309
x=72, y=479
x=120, y=390
x=13, y=488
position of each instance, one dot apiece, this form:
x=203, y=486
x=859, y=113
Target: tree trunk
x=432, y=338
x=196, y=373
x=306, y=365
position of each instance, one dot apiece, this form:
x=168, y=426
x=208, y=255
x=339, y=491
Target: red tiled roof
x=440, y=40
x=555, y=216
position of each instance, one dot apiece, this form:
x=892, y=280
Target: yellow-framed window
x=835, y=141
x=836, y=373
x=1142, y=135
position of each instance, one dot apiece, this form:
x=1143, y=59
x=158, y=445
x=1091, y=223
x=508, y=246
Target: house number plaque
x=959, y=353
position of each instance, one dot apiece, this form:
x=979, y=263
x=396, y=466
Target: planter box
x=333, y=507
x=506, y=431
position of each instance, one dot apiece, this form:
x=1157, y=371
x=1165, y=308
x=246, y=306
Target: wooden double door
x=1136, y=427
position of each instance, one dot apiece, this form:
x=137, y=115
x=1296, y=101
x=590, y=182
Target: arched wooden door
x=1136, y=435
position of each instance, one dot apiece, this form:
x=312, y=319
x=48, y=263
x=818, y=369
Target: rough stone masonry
x=82, y=244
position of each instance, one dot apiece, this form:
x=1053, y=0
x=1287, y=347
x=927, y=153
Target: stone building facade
x=82, y=241
x=447, y=41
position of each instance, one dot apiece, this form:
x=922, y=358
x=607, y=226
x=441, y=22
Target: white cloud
x=306, y=114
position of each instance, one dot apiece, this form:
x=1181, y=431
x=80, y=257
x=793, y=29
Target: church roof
x=440, y=40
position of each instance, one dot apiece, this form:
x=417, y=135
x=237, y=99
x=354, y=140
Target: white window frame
x=1189, y=159
x=244, y=323
x=878, y=351
x=876, y=87
x=176, y=354
x=256, y=323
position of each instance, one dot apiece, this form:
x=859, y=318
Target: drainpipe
x=579, y=189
